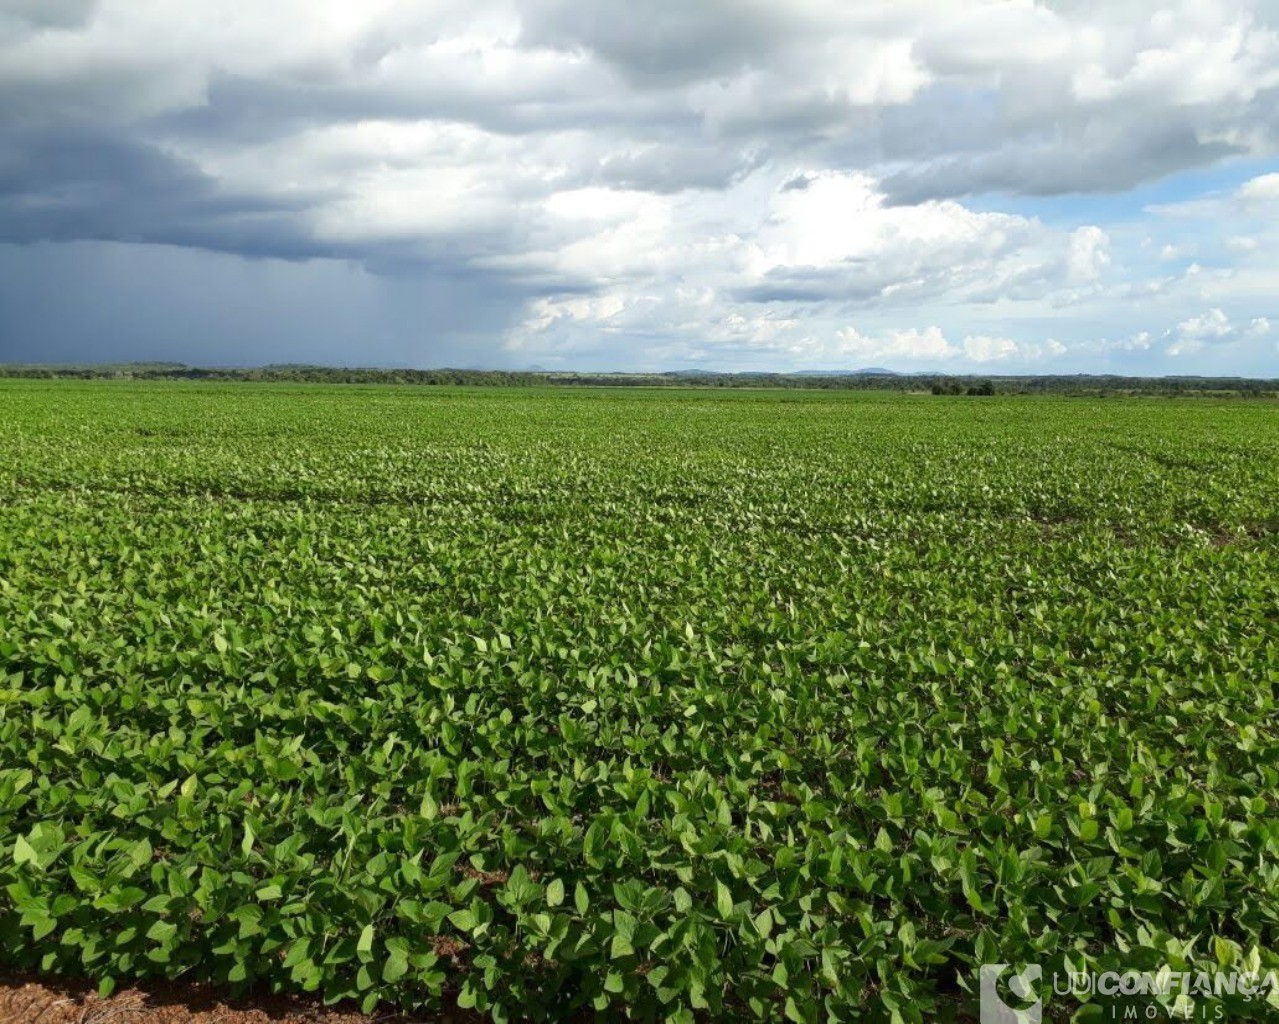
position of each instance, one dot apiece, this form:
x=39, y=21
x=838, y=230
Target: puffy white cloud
x=929, y=347
x=983, y=349
x=837, y=238
x=774, y=269
x=912, y=344
x=1264, y=188
x=1088, y=254
x=1211, y=328
x=1139, y=342
x=1197, y=54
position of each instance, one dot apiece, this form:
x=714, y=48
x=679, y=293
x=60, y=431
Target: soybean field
x=677, y=705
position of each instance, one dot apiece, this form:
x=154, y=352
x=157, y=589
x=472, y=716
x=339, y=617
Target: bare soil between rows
x=27, y=999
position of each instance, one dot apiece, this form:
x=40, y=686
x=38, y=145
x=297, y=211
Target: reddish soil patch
x=486, y=878
x=25, y=999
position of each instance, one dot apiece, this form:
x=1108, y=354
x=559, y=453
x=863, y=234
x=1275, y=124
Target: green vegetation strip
x=740, y=705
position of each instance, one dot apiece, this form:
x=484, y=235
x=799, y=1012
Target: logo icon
x=995, y=1009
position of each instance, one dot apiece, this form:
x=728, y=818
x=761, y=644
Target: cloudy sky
x=986, y=185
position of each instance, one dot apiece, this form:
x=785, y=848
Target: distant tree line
x=937, y=384
x=955, y=388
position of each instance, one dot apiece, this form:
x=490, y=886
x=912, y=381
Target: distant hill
x=866, y=371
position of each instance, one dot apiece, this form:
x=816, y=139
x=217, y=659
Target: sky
x=985, y=186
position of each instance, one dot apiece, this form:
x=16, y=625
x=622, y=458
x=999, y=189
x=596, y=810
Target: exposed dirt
x=27, y=1000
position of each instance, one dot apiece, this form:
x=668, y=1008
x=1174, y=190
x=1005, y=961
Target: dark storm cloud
x=81, y=184
x=110, y=302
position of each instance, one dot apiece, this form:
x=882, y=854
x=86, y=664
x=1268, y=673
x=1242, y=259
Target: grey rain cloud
x=661, y=40
x=1088, y=158
x=78, y=184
